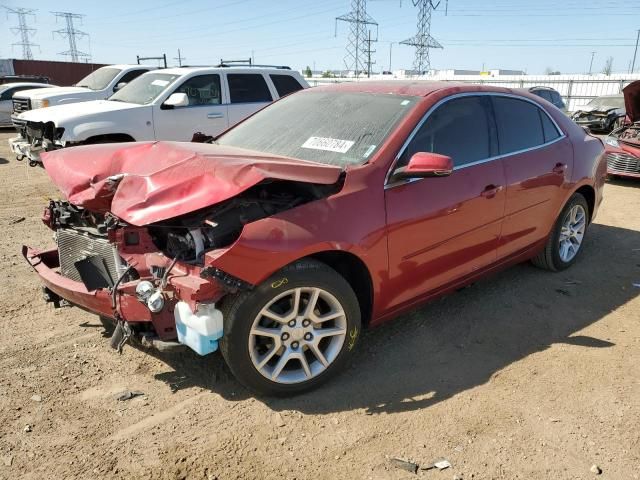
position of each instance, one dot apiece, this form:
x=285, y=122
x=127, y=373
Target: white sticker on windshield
x=404, y=102
x=369, y=151
x=328, y=144
x=160, y=83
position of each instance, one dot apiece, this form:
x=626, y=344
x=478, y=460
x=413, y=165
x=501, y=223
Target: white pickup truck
x=170, y=104
x=98, y=85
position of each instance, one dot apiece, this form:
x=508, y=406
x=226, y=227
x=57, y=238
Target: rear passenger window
x=248, y=87
x=519, y=125
x=549, y=129
x=285, y=84
x=460, y=129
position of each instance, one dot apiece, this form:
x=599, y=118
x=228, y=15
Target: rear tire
x=567, y=237
x=275, y=343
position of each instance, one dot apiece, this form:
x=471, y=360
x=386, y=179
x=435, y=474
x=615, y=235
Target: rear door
x=248, y=93
x=442, y=229
x=206, y=112
x=538, y=160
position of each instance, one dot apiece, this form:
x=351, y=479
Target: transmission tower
x=71, y=34
x=357, y=56
x=423, y=40
x=23, y=30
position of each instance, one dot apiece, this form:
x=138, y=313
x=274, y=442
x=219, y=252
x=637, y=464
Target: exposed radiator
x=75, y=246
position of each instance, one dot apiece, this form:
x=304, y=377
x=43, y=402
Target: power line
x=356, y=57
x=71, y=34
x=23, y=30
x=423, y=40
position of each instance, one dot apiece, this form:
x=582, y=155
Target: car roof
x=185, y=70
x=420, y=88
x=4, y=86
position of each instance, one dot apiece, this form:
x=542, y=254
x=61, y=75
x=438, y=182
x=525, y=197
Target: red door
x=537, y=161
x=441, y=229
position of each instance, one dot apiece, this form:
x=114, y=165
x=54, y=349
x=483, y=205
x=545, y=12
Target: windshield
x=99, y=79
x=144, y=89
x=608, y=102
x=324, y=127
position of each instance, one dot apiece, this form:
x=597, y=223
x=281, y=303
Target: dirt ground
x=525, y=375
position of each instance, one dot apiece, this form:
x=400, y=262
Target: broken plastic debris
x=128, y=395
x=439, y=464
x=404, y=465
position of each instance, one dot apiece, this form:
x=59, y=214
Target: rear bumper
x=23, y=148
x=98, y=301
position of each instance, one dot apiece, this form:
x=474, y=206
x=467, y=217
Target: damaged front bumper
x=24, y=149
x=193, y=321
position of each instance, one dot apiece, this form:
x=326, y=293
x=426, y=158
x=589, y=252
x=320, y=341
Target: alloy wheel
x=572, y=233
x=297, y=335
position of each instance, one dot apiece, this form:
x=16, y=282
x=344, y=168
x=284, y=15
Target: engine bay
x=190, y=236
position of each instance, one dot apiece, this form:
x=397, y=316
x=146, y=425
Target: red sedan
x=623, y=144
x=334, y=208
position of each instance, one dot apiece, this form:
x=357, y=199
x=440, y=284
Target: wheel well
x=109, y=138
x=356, y=273
x=589, y=194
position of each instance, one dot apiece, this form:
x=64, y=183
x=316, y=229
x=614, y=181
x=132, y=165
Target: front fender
x=83, y=131
x=331, y=224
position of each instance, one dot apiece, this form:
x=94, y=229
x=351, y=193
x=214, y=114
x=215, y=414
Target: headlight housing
x=612, y=141
x=40, y=103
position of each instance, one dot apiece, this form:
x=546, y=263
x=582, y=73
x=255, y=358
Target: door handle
x=490, y=191
x=559, y=168
x=215, y=115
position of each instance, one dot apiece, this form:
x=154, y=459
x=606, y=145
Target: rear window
x=248, y=87
x=285, y=84
x=519, y=125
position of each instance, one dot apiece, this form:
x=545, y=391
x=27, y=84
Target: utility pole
x=390, y=50
x=369, y=52
x=71, y=34
x=593, y=54
x=179, y=58
x=635, y=52
x=359, y=21
x=23, y=30
x=423, y=40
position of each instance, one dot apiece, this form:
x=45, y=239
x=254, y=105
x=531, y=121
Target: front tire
x=567, y=237
x=292, y=332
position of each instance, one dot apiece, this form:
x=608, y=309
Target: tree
x=608, y=66
x=307, y=72
x=551, y=71
x=327, y=74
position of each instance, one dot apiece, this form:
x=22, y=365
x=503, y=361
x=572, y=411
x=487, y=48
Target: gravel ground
x=526, y=375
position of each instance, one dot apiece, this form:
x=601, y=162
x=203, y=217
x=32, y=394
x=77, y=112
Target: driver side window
x=202, y=90
x=461, y=128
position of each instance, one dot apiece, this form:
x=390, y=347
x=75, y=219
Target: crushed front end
x=118, y=271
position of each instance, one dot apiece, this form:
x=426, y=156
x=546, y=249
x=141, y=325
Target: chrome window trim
x=477, y=162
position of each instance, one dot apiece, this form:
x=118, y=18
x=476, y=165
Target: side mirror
x=176, y=100
x=119, y=86
x=424, y=164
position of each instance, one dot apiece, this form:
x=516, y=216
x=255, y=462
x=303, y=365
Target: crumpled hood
x=147, y=182
x=632, y=100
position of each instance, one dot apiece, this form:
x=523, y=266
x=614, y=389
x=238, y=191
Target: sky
x=507, y=34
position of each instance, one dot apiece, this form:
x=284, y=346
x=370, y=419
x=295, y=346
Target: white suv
x=170, y=104
x=98, y=85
